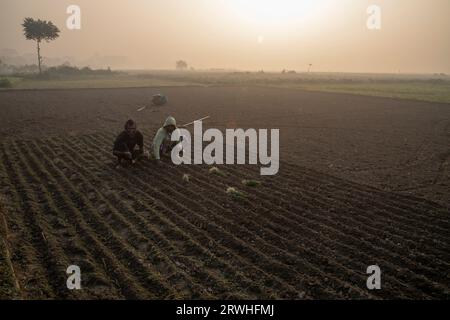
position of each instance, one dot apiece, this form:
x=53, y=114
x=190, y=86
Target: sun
x=271, y=12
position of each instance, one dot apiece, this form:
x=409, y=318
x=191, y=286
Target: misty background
x=331, y=35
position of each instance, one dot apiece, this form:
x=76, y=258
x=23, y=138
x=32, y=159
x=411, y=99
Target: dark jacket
x=126, y=143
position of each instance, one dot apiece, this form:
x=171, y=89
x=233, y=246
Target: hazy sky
x=244, y=34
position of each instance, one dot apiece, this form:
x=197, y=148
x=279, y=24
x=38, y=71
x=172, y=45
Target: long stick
x=190, y=123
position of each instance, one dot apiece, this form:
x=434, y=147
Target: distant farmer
x=124, y=146
x=162, y=144
x=159, y=100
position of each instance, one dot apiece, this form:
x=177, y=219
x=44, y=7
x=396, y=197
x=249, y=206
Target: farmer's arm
x=140, y=141
x=157, y=141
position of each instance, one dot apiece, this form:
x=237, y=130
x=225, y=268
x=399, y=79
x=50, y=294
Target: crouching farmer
x=126, y=142
x=162, y=144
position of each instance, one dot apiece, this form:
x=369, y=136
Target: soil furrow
x=156, y=256
x=200, y=221
x=232, y=226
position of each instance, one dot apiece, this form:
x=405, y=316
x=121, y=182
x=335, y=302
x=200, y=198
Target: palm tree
x=39, y=30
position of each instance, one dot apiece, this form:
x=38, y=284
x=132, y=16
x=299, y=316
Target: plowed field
x=362, y=181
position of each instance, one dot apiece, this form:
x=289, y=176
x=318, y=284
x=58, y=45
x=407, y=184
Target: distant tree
x=181, y=65
x=39, y=30
x=5, y=83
